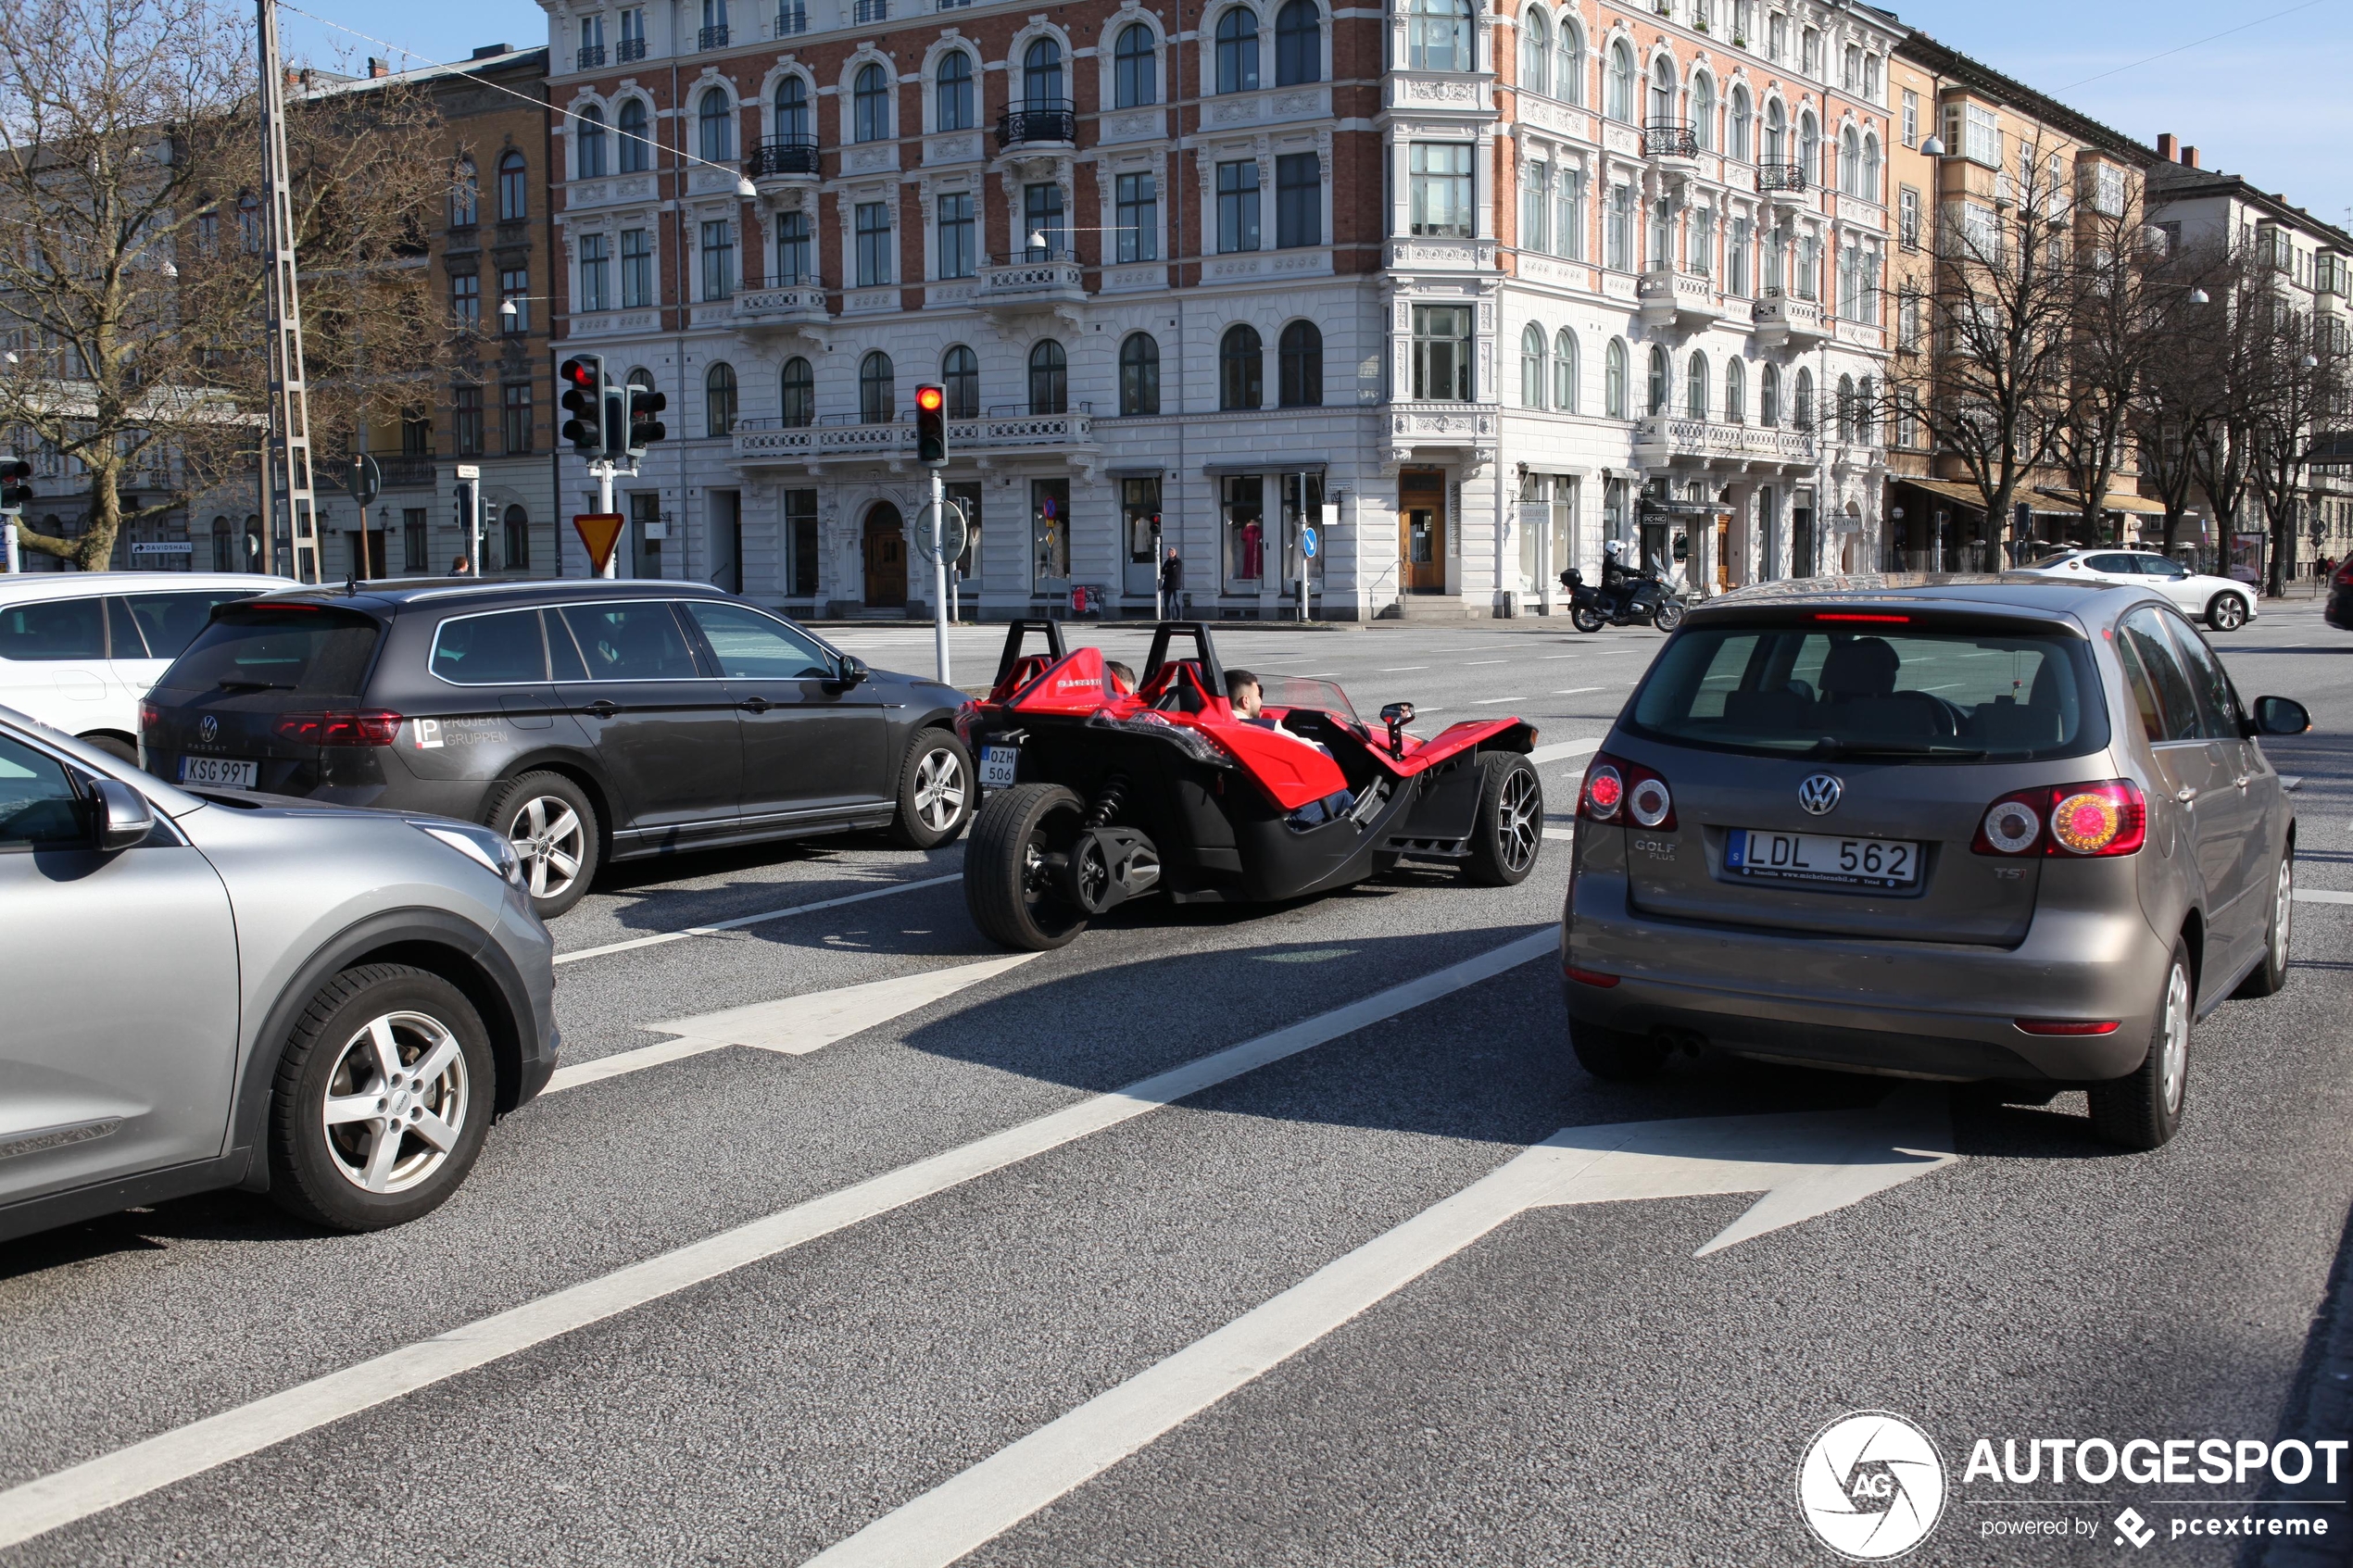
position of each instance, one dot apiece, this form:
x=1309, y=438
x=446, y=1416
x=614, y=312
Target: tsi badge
x=1872, y=1486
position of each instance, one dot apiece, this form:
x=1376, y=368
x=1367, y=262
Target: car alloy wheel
x=396, y=1102
x=2173, y=1067
x=1518, y=830
x=940, y=789
x=550, y=840
x=2282, y=911
x=2229, y=613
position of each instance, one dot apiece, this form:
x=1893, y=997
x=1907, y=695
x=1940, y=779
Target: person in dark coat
x=1172, y=584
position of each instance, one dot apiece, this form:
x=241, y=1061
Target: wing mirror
x=854, y=670
x=1397, y=715
x=2281, y=716
x=124, y=816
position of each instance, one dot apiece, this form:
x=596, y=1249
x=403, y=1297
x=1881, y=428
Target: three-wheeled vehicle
x=1096, y=795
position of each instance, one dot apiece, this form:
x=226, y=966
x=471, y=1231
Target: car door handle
x=755, y=705
x=603, y=707
x=2244, y=780
x=2185, y=794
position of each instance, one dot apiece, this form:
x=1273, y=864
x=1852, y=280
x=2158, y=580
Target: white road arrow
x=1805, y=1165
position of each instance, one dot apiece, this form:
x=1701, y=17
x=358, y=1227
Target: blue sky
x=2268, y=102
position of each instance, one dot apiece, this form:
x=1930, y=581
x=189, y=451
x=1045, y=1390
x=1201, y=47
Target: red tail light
x=150, y=715
x=1588, y=976
x=2085, y=820
x=2345, y=576
x=367, y=726
x=2067, y=1025
x=1618, y=790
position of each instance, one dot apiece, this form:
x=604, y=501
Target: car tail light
x=366, y=726
x=1588, y=976
x=1614, y=787
x=2084, y=820
x=150, y=715
x=2067, y=1025
x=2345, y=576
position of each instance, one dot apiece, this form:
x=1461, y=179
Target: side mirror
x=124, y=816
x=2281, y=716
x=854, y=670
x=1397, y=715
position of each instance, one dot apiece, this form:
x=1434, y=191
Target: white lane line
x=1572, y=691
x=2321, y=896
x=1564, y=835
x=169, y=1458
x=1475, y=663
x=1560, y=752
x=1491, y=701
x=741, y=921
x=2291, y=780
x=1400, y=669
x=792, y=1025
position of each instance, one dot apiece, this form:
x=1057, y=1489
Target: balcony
x=780, y=162
x=711, y=37
x=784, y=308
x=840, y=437
x=1784, y=321
x=872, y=11
x=1662, y=439
x=590, y=56
x=410, y=471
x=1043, y=278
x=1674, y=141
x=1683, y=300
x=1790, y=177
x=791, y=20
x=630, y=49
x=1054, y=123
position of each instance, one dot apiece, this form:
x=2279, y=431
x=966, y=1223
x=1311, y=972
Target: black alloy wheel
x=1011, y=884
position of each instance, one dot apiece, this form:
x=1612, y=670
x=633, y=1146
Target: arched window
x=870, y=105
x=1565, y=370
x=792, y=109
x=1661, y=376
x=1135, y=74
x=1769, y=396
x=1140, y=375
x=589, y=144
x=1850, y=162
x=1871, y=167
x=719, y=399
x=1809, y=149
x=1531, y=366
x=1866, y=409
x=1846, y=412
x=1298, y=43
x=1438, y=35
x=1302, y=352
x=514, y=189
x=1048, y=378
x=636, y=148
x=1703, y=111
x=799, y=402
x=1695, y=387
x=1741, y=142
x=1662, y=99
x=1241, y=370
x=1236, y=51
x=517, y=527
x=465, y=196
x=877, y=389
x=1569, y=82
x=715, y=119
x=1614, y=380
x=224, y=545
x=959, y=379
x=1776, y=132
x=1620, y=104
x=1735, y=392
x=1042, y=75
x=1535, y=52
x=1801, y=411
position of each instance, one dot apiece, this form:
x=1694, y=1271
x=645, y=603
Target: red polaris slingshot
x=1096, y=795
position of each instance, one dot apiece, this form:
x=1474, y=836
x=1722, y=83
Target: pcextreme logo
x=1872, y=1486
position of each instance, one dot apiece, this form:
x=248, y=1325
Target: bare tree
x=2180, y=421
x=130, y=152
x=2300, y=377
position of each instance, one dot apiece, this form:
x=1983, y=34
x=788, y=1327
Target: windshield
x=1897, y=691
x=1307, y=691
x=312, y=650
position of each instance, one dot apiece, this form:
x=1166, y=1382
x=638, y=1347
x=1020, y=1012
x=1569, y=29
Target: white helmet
x=1613, y=546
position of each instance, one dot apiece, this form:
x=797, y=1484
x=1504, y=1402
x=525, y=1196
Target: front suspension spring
x=1105, y=811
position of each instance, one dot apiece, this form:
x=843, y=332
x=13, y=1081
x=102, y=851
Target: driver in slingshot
x=1248, y=700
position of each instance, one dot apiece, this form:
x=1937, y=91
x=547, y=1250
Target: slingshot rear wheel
x=1010, y=881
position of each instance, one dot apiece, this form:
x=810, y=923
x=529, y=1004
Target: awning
x=2118, y=501
x=1265, y=465
x=1967, y=494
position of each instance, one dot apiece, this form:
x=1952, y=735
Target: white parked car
x=2222, y=603
x=79, y=649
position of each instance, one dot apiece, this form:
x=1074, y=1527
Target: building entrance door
x=886, y=558
x=1723, y=551
x=367, y=552
x=1421, y=531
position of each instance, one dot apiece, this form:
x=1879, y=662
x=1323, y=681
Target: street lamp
x=2198, y=297
x=1932, y=147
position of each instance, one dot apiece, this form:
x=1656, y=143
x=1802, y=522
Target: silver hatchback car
x=2010, y=830
x=323, y=1003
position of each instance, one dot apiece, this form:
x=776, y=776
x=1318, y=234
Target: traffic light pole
x=602, y=472
x=939, y=574
x=8, y=526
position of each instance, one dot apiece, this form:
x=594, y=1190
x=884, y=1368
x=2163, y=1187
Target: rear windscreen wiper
x=1827, y=748
x=232, y=686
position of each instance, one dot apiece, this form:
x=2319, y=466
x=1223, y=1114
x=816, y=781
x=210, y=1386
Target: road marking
x=792, y=1025
x=1400, y=669
x=49, y=1501
x=2291, y=780
x=1564, y=834
x=1491, y=701
x=1572, y=691
x=1805, y=1165
x=2321, y=896
x=1562, y=750
x=1475, y=663
x=742, y=921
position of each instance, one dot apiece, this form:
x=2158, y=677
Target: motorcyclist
x=1613, y=573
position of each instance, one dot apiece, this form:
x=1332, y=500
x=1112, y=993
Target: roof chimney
x=2189, y=156
x=489, y=49
x=2167, y=147
x=377, y=67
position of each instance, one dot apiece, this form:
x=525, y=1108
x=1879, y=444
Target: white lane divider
x=791, y=1026
x=715, y=927
x=1573, y=691
x=1560, y=752
x=1805, y=1164
x=2321, y=896
x=49, y=1501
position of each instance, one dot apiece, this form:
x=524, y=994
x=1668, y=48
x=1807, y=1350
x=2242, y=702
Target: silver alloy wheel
x=2230, y=613
x=2173, y=1066
x=939, y=789
x=1518, y=831
x=2282, y=913
x=550, y=840
x=396, y=1102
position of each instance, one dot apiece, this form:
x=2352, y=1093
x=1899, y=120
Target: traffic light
x=584, y=381
x=645, y=429
x=931, y=425
x=14, y=490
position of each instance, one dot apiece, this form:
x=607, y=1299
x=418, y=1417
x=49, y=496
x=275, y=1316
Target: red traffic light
x=929, y=398
x=581, y=373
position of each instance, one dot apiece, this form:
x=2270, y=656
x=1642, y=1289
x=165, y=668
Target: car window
x=631, y=642
x=54, y=629
x=2119, y=564
x=490, y=650
x=313, y=649
x=2144, y=690
x=37, y=801
x=124, y=640
x=752, y=647
x=2159, y=566
x=173, y=621
x=2177, y=719
x=2218, y=706
x=564, y=654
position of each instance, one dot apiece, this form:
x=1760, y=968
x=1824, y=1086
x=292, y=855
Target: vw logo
x=1819, y=795
x=210, y=731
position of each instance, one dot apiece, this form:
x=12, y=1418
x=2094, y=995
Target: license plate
x=1813, y=856
x=230, y=773
x=999, y=765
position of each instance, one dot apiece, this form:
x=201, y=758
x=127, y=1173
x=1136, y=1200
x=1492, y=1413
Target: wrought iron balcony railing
x=714, y=37
x=591, y=56
x=873, y=11
x=1041, y=121
x=783, y=155
x=791, y=19
x=1781, y=177
x=630, y=49
x=1670, y=138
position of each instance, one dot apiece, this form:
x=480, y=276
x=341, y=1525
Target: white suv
x=79, y=649
x=2224, y=603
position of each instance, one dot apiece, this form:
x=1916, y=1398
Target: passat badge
x=1819, y=795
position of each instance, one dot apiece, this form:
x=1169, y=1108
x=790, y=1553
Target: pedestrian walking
x=1172, y=585
x=462, y=566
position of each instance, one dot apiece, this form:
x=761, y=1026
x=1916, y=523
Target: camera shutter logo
x=1872, y=1486
x=1819, y=795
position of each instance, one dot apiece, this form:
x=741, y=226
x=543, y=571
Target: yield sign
x=599, y=532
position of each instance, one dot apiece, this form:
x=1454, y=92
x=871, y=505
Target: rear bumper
x=1922, y=1010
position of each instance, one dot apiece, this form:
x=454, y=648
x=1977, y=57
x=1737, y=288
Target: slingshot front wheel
x=1011, y=884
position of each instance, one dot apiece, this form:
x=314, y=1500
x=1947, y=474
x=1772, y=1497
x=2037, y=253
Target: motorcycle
x=1640, y=600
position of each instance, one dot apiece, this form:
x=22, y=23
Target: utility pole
x=285, y=459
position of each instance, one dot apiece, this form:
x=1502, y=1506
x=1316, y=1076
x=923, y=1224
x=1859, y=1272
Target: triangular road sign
x=599, y=532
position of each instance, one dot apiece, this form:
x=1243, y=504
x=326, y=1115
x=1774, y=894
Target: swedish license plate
x=230, y=773
x=1820, y=857
x=999, y=766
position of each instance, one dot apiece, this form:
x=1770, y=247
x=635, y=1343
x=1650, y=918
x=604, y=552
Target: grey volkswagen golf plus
x=2006, y=830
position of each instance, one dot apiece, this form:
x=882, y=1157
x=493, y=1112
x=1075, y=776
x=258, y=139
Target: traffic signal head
x=583, y=378
x=931, y=425
x=14, y=487
x=645, y=426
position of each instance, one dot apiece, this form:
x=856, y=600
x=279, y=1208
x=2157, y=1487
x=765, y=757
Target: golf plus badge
x=1872, y=1486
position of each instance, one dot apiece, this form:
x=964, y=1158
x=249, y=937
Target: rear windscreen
x=310, y=650
x=1907, y=691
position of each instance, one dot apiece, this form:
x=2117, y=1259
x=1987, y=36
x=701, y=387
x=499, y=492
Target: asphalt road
x=740, y=1306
